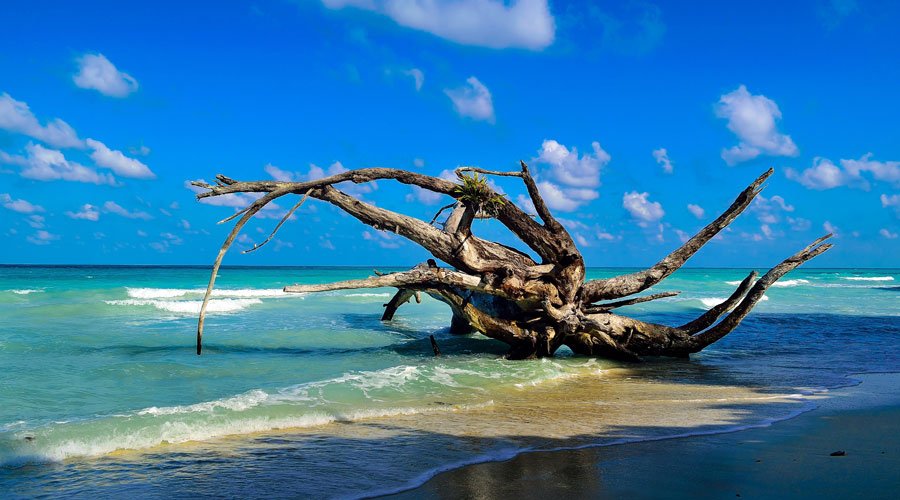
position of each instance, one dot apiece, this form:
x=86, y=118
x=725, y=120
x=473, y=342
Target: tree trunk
x=501, y=292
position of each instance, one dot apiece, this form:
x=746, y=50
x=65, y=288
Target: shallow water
x=314, y=395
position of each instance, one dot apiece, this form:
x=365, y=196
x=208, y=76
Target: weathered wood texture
x=534, y=306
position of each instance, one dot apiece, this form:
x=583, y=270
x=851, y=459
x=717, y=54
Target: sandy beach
x=791, y=458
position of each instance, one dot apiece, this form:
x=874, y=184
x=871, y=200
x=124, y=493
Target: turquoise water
x=314, y=395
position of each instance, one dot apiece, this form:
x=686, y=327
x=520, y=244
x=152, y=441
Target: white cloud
x=682, y=235
x=141, y=233
x=118, y=162
x=97, y=73
x=887, y=234
x=114, y=208
x=42, y=237
x=824, y=174
x=752, y=118
x=384, y=239
x=418, y=162
x=495, y=24
x=555, y=198
x=605, y=235
x=570, y=169
x=799, y=223
x=424, y=196
x=890, y=201
x=20, y=205
x=577, y=177
x=45, y=164
x=641, y=208
x=140, y=151
x=417, y=76
x=887, y=171
x=185, y=224
x=35, y=221
x=697, y=210
x=279, y=174
x=15, y=116
x=173, y=239
x=830, y=228
x=87, y=212
x=473, y=100
x=662, y=158
x=768, y=210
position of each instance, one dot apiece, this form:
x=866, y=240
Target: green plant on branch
x=476, y=193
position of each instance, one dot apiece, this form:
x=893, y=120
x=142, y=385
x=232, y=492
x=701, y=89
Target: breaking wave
x=189, y=306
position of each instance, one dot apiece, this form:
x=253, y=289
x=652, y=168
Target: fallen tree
x=533, y=305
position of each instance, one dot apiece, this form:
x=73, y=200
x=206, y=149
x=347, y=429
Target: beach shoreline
x=789, y=458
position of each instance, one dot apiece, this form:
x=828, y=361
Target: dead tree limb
x=533, y=305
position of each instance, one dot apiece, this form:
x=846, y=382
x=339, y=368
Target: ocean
x=102, y=394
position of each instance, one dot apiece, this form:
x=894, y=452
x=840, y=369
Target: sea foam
x=171, y=293
x=189, y=306
x=868, y=278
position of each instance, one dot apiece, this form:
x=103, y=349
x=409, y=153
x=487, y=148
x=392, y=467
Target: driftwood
x=534, y=306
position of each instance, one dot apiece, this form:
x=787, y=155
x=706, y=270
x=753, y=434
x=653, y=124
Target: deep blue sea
x=102, y=394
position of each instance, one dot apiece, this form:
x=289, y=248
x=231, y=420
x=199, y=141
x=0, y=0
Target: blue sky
x=641, y=120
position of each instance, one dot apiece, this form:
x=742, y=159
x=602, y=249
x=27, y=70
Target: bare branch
x=460, y=170
x=283, y=219
x=438, y=214
x=420, y=277
x=596, y=308
x=709, y=317
x=256, y=206
x=756, y=293
x=629, y=284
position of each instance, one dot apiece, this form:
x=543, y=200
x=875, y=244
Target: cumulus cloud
x=473, y=100
x=42, y=237
x=87, y=212
x=423, y=196
x=753, y=118
x=799, y=223
x=114, y=208
x=418, y=162
x=824, y=174
x=43, y=164
x=383, y=239
x=697, y=210
x=890, y=201
x=496, y=24
x=96, y=72
x=118, y=162
x=35, y=221
x=887, y=234
x=20, y=205
x=662, y=158
x=830, y=228
x=15, y=116
x=417, y=76
x=642, y=209
x=573, y=177
x=884, y=171
x=570, y=169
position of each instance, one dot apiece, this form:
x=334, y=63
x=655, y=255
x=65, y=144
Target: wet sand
x=791, y=458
